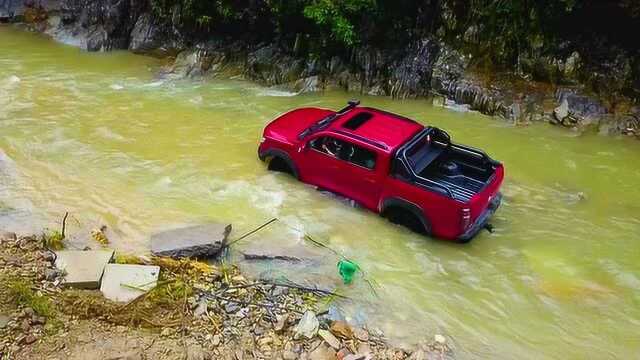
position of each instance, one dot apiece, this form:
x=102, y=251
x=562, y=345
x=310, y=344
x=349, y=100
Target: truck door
x=320, y=164
x=359, y=175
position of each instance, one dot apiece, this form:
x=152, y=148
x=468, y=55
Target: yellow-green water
x=99, y=136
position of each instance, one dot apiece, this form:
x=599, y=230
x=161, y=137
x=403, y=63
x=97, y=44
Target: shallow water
x=99, y=136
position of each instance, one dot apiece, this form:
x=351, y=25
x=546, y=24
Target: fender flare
x=409, y=206
x=273, y=153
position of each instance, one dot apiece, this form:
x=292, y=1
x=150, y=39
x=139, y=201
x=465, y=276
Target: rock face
x=427, y=67
x=193, y=241
x=412, y=75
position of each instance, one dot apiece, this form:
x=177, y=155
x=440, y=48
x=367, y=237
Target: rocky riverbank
x=196, y=311
x=428, y=68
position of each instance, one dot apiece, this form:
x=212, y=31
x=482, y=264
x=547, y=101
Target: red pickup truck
x=411, y=174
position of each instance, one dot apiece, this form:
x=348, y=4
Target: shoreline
x=196, y=311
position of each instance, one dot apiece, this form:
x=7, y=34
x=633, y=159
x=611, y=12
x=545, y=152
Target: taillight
x=465, y=218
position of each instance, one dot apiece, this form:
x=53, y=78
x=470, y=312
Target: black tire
x=404, y=217
x=278, y=160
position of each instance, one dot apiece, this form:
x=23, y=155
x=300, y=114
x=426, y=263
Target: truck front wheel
x=278, y=160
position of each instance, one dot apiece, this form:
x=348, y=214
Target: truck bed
x=456, y=170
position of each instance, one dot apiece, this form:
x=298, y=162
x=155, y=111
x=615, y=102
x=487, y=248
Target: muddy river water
x=100, y=136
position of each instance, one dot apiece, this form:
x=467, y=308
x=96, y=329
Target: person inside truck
x=332, y=146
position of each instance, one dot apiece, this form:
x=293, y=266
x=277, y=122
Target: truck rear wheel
x=406, y=218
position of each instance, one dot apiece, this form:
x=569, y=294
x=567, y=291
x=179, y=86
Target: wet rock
x=412, y=75
x=562, y=111
x=447, y=69
x=577, y=109
x=268, y=64
x=308, y=326
x=330, y=339
x=308, y=84
x=341, y=329
x=146, y=37
x=269, y=257
x=194, y=241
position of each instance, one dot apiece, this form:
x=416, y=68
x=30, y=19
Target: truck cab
x=411, y=174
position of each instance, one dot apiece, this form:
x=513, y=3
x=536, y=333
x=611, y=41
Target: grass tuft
x=22, y=294
x=53, y=240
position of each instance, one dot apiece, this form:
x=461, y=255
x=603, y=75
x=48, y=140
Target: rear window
x=357, y=120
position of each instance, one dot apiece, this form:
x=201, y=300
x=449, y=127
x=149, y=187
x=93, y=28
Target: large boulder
x=269, y=65
x=577, y=109
x=98, y=25
x=147, y=36
x=199, y=241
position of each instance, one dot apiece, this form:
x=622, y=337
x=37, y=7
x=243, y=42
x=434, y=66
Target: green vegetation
x=53, y=240
x=22, y=294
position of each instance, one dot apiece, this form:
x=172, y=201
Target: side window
x=362, y=157
x=346, y=151
x=328, y=145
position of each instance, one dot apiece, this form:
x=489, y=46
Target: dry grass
x=163, y=306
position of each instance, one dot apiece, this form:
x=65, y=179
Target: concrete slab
x=126, y=282
x=193, y=241
x=83, y=268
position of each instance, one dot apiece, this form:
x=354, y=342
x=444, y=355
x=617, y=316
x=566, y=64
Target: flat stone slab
x=125, y=283
x=83, y=268
x=193, y=241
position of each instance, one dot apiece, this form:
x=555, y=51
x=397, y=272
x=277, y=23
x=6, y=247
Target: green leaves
x=339, y=17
